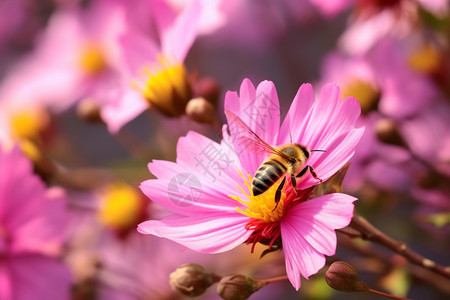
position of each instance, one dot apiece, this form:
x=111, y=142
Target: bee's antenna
x=318, y=150
x=290, y=137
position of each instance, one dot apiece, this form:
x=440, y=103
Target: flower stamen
x=263, y=206
x=92, y=59
x=165, y=86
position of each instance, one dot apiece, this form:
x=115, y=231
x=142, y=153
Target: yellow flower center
x=121, y=207
x=261, y=207
x=31, y=150
x=92, y=60
x=426, y=59
x=28, y=124
x=166, y=86
x=364, y=92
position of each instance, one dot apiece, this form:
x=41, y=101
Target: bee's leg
x=294, y=183
x=278, y=193
x=313, y=173
x=302, y=172
x=311, y=170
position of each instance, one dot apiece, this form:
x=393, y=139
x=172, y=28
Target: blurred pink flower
x=402, y=91
x=427, y=135
x=139, y=267
x=104, y=53
x=249, y=24
x=153, y=66
x=74, y=58
x=376, y=20
x=208, y=188
x=386, y=88
x=32, y=223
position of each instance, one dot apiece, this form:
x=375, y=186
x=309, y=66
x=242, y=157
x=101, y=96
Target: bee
x=290, y=159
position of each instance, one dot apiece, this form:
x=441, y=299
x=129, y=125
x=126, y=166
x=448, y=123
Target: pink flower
x=152, y=63
x=386, y=75
x=139, y=267
x=428, y=137
x=76, y=56
x=387, y=88
x=104, y=53
x=377, y=20
x=31, y=231
x=208, y=188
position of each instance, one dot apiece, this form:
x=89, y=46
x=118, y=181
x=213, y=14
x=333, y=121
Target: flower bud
x=200, y=110
x=343, y=277
x=89, y=111
x=387, y=132
x=191, y=280
x=238, y=287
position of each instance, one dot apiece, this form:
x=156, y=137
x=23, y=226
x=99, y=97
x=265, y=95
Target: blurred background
x=77, y=96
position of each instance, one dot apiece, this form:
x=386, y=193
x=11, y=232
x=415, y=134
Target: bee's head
x=304, y=150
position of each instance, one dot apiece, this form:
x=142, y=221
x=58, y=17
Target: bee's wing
x=247, y=138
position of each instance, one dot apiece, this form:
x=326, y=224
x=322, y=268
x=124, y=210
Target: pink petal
x=210, y=233
x=327, y=125
x=21, y=189
x=259, y=109
x=44, y=229
x=215, y=164
x=366, y=32
x=301, y=258
x=137, y=51
x=327, y=164
x=330, y=8
x=6, y=286
x=307, y=232
x=29, y=213
x=39, y=277
x=200, y=181
x=117, y=113
x=178, y=39
x=186, y=195
x=336, y=211
x=298, y=116
x=399, y=82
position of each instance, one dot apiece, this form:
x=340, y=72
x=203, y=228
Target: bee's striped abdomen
x=268, y=173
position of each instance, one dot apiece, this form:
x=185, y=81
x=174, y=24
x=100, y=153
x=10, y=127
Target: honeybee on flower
x=227, y=213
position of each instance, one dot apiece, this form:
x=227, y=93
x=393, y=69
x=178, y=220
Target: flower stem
x=371, y=233
x=386, y=295
x=276, y=279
